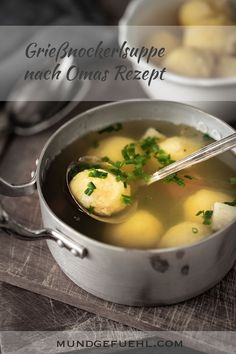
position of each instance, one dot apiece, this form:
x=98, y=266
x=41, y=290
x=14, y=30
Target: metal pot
x=128, y=276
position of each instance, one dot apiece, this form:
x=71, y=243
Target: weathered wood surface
x=22, y=310
x=29, y=265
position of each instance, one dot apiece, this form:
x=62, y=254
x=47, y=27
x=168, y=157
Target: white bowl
x=216, y=95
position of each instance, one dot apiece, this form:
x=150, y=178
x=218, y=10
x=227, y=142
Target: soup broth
x=166, y=214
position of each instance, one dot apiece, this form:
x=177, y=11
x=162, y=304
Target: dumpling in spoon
x=99, y=192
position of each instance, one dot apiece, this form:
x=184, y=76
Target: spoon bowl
x=88, y=162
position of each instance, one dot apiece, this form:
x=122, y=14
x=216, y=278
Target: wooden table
x=56, y=308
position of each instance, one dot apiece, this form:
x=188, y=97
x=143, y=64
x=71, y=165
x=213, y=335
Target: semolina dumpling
x=111, y=147
x=106, y=197
x=204, y=199
x=164, y=39
x=184, y=234
x=205, y=12
x=179, y=147
x=226, y=67
x=190, y=62
x=217, y=39
x=194, y=12
x=141, y=231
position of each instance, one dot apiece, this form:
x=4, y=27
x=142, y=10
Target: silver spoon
x=207, y=152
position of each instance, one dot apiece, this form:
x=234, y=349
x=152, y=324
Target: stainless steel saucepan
x=128, y=276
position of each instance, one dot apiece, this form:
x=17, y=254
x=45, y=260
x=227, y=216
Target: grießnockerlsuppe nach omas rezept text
x=180, y=210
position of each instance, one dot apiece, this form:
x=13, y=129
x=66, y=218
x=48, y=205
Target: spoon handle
x=209, y=151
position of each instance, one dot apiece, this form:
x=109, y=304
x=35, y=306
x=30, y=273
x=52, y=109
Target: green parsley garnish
x=111, y=128
x=90, y=209
x=207, y=215
x=149, y=145
x=174, y=178
x=194, y=230
x=90, y=188
x=132, y=156
x=233, y=203
x=233, y=180
x=163, y=158
x=128, y=152
x=127, y=199
x=97, y=173
x=188, y=177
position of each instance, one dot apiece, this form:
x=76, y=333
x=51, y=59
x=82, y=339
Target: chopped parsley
x=233, y=203
x=149, y=145
x=90, y=210
x=90, y=188
x=174, y=178
x=111, y=128
x=97, y=173
x=233, y=180
x=126, y=199
x=128, y=152
x=194, y=230
x=188, y=177
x=207, y=215
x=163, y=158
x=137, y=155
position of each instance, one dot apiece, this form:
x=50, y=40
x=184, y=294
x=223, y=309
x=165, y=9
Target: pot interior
x=53, y=186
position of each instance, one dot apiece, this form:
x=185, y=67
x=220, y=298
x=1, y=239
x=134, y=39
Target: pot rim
x=94, y=242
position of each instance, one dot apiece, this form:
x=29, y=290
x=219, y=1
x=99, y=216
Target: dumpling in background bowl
x=190, y=62
x=211, y=89
x=226, y=67
x=220, y=40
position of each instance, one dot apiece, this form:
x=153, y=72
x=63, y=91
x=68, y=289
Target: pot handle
x=11, y=190
x=9, y=224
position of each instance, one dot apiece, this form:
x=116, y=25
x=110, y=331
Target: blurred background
x=24, y=130
x=70, y=12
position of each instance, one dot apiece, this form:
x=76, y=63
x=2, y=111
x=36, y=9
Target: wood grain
x=22, y=310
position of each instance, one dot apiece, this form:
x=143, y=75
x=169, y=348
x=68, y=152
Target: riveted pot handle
x=20, y=231
x=21, y=190
x=11, y=190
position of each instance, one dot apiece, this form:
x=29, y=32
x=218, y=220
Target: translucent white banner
x=182, y=342
x=73, y=63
